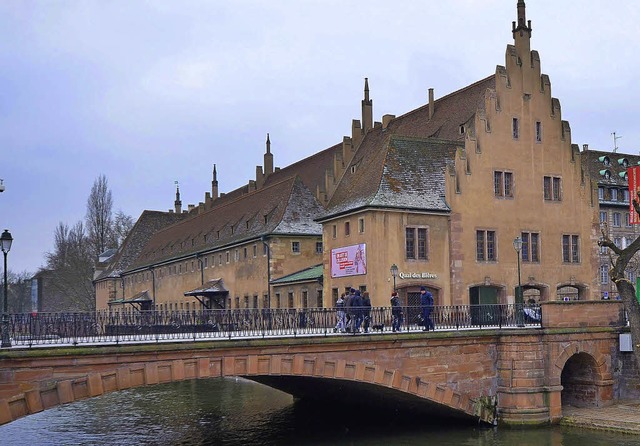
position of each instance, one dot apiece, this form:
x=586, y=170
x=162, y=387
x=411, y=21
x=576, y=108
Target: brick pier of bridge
x=507, y=376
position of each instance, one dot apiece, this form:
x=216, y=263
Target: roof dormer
x=605, y=160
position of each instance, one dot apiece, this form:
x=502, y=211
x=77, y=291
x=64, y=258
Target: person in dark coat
x=426, y=305
x=356, y=305
x=366, y=311
x=396, y=312
x=348, y=306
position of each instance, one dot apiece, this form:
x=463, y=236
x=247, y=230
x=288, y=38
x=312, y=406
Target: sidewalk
x=623, y=416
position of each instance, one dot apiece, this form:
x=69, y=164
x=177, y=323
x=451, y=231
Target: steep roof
x=286, y=207
x=449, y=113
x=395, y=172
x=596, y=163
x=147, y=224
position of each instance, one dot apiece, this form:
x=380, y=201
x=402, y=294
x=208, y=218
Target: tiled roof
x=450, y=112
x=287, y=207
x=147, y=224
x=595, y=167
x=305, y=275
x=211, y=287
x=395, y=171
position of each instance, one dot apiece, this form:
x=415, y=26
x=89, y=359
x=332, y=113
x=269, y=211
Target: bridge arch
x=584, y=376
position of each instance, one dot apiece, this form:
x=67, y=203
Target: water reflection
x=238, y=412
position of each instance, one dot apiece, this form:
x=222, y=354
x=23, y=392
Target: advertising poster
x=633, y=175
x=349, y=261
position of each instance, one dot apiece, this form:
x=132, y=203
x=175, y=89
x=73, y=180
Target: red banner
x=633, y=174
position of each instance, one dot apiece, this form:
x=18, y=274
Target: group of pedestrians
x=354, y=310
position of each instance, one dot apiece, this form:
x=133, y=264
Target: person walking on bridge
x=340, y=326
x=426, y=305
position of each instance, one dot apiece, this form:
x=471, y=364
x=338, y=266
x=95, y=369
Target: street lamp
x=394, y=273
x=5, y=245
x=517, y=245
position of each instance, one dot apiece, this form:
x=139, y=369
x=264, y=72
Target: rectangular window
x=255, y=301
x=319, y=298
x=361, y=225
x=410, y=243
x=530, y=247
x=601, y=193
x=255, y=250
x=290, y=295
x=538, y=131
x=603, y=216
x=236, y=255
x=244, y=252
x=616, y=219
x=246, y=301
x=627, y=222
x=422, y=243
x=552, y=188
x=570, y=249
x=604, y=274
x=305, y=299
x=516, y=128
x=625, y=195
x=347, y=228
x=228, y=256
x=503, y=184
x=486, y=250
x=334, y=231
x=295, y=247
x=318, y=247
x=220, y=259
x=278, y=301
x=416, y=243
x=614, y=194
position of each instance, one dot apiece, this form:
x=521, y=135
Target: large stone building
x=441, y=191
x=609, y=170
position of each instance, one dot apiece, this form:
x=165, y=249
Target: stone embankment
x=624, y=416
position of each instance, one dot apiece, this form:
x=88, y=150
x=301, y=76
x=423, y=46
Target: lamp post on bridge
x=394, y=273
x=5, y=245
x=517, y=245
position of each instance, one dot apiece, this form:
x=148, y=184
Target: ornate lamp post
x=517, y=245
x=394, y=273
x=5, y=245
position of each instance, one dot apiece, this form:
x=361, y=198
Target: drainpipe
x=265, y=241
x=153, y=285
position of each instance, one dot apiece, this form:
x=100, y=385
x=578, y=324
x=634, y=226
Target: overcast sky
x=152, y=92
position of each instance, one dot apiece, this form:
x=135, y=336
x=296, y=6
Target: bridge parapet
x=585, y=313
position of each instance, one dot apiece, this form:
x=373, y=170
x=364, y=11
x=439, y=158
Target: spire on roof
x=367, y=109
x=178, y=203
x=268, y=159
x=523, y=26
x=268, y=144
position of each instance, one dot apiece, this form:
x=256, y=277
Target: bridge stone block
x=275, y=366
x=5, y=412
x=203, y=368
x=123, y=378
x=177, y=370
x=151, y=373
x=329, y=370
x=65, y=391
x=94, y=384
x=34, y=402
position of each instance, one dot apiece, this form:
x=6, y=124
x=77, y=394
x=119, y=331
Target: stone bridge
x=509, y=376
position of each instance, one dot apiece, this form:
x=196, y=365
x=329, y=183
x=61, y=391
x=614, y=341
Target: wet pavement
x=623, y=416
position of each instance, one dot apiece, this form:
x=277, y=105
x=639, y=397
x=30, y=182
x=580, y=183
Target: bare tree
x=19, y=292
x=71, y=268
x=619, y=260
x=99, y=217
x=122, y=225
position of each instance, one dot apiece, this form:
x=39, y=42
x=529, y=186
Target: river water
x=233, y=411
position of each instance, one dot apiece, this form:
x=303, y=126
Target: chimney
x=585, y=147
x=386, y=119
x=431, y=105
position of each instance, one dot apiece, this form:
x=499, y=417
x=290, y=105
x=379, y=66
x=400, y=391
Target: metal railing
x=114, y=327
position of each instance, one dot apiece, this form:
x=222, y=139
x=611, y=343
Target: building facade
x=441, y=192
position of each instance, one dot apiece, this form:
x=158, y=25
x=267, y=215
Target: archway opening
x=579, y=379
x=568, y=293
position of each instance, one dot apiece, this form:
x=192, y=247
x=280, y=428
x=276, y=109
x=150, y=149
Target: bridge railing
x=113, y=327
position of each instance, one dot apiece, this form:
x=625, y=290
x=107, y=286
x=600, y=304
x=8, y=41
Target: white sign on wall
x=349, y=261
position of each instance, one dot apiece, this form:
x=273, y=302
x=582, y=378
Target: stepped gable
x=147, y=224
x=595, y=163
x=391, y=171
x=250, y=216
x=450, y=112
